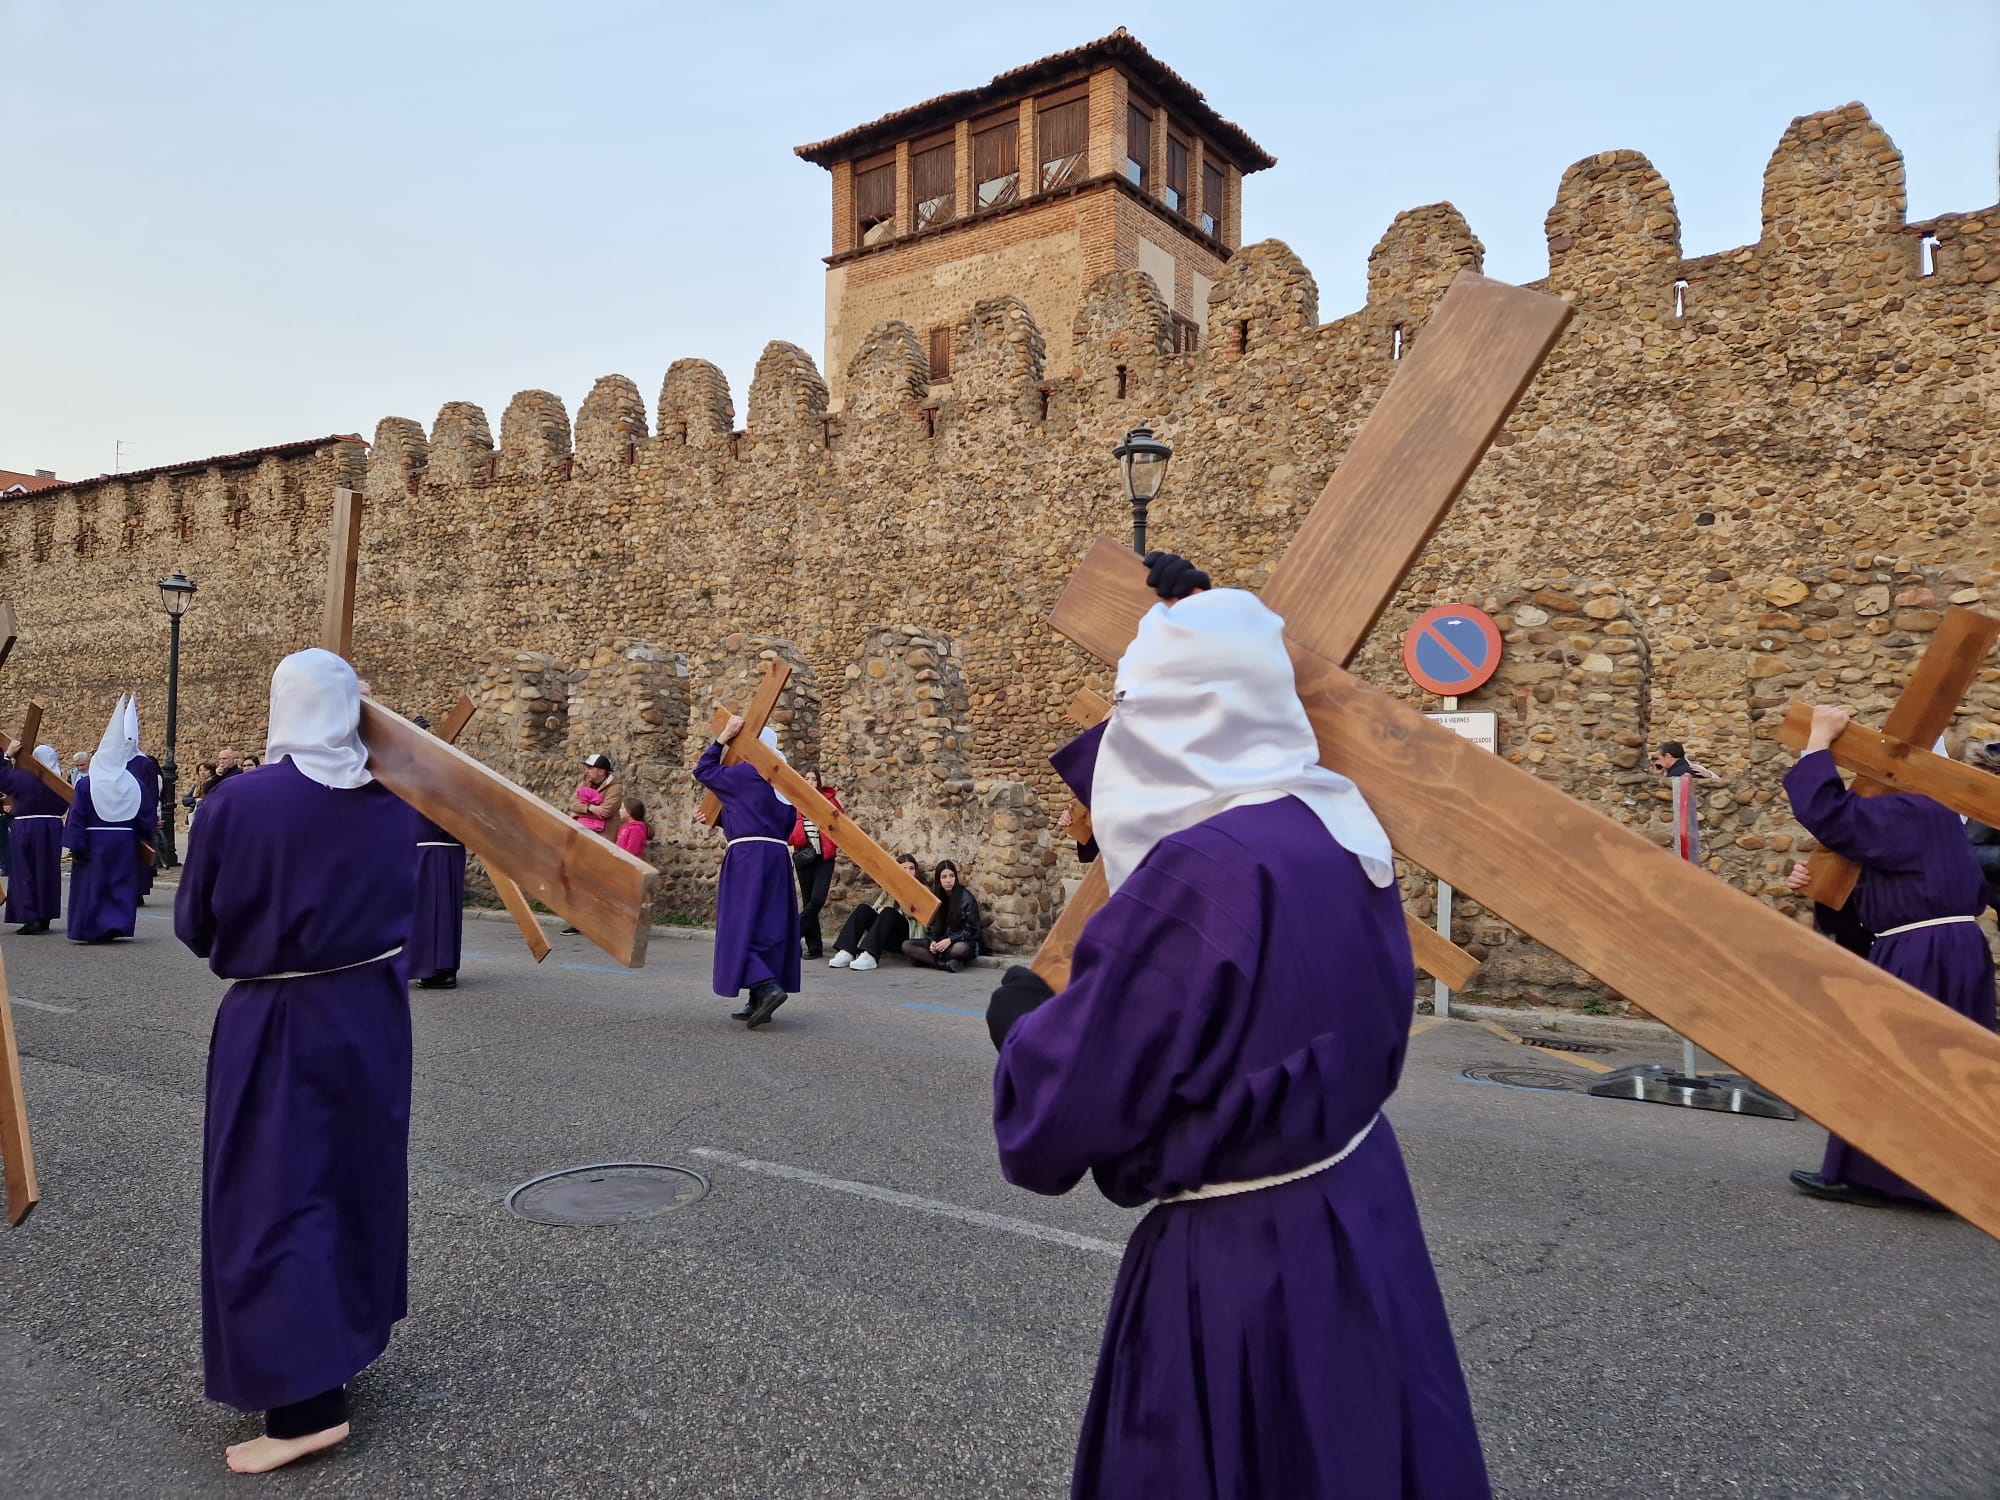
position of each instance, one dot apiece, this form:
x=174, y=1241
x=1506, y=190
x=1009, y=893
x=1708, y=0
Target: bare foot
x=262, y=1454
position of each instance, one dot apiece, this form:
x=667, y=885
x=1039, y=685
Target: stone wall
x=1742, y=476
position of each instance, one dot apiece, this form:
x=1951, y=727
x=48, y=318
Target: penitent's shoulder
x=1232, y=865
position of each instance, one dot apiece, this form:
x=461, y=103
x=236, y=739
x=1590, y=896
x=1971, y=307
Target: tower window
x=1211, y=200
x=1927, y=252
x=1177, y=174
x=874, y=203
x=996, y=164
x=1065, y=142
x=1187, y=335
x=941, y=353
x=934, y=185
x=1139, y=148
x=1680, y=298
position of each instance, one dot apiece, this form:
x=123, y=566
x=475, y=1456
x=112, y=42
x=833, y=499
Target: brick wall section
x=1776, y=493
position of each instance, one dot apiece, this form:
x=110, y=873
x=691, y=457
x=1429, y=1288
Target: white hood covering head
x=316, y=719
x=132, y=721
x=1208, y=718
x=114, y=791
x=46, y=754
x=769, y=736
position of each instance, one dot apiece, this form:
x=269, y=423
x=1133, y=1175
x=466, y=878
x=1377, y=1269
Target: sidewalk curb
x=698, y=934
x=1564, y=1023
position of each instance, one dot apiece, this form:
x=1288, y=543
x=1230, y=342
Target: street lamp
x=1142, y=461
x=176, y=595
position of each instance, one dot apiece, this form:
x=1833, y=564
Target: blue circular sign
x=1452, y=650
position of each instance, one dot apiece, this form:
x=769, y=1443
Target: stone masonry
x=1741, y=477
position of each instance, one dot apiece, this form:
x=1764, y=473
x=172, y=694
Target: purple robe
x=438, y=928
x=34, y=888
x=756, y=897
x=103, y=873
x=146, y=771
x=305, y=1156
x=1076, y=763
x=1915, y=865
x=1239, y=1009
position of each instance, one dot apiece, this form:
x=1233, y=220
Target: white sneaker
x=864, y=963
x=840, y=960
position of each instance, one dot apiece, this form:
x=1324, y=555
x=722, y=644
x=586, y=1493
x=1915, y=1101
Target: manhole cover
x=616, y=1192
x=1564, y=1044
x=1525, y=1078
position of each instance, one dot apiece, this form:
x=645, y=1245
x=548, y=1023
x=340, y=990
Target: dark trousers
x=304, y=1418
x=813, y=888
x=873, y=932
x=918, y=952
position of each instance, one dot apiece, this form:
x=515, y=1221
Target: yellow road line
x=1588, y=1064
x=1425, y=1023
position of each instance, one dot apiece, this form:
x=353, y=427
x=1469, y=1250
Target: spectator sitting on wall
x=874, y=928
x=813, y=854
x=952, y=940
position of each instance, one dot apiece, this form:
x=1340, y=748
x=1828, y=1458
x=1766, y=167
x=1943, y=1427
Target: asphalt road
x=861, y=1307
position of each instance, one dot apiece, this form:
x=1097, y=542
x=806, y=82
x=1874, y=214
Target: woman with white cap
x=1235, y=1021
x=103, y=833
x=298, y=889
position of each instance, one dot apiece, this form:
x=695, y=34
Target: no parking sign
x=1452, y=650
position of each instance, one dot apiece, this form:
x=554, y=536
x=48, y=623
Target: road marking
x=60, y=1010
x=1588, y=1064
x=147, y=916
x=1425, y=1023
x=931, y=1206
x=948, y=1010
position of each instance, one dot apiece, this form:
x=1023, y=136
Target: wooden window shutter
x=996, y=165
x=1177, y=173
x=941, y=353
x=1139, y=147
x=934, y=185
x=1211, y=199
x=1065, y=142
x=874, y=202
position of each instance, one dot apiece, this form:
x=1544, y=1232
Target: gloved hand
x=1174, y=578
x=1020, y=992
x=80, y=856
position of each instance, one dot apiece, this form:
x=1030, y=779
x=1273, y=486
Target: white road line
x=930, y=1206
x=60, y=1010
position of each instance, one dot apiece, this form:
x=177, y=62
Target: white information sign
x=1483, y=729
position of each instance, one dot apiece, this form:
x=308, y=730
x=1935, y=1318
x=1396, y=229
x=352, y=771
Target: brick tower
x=1097, y=159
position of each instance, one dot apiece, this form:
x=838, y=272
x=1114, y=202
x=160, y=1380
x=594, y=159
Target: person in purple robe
x=298, y=889
x=1920, y=894
x=146, y=771
x=756, y=898
x=437, y=932
x=34, y=881
x=1076, y=763
x=102, y=835
x=1235, y=1021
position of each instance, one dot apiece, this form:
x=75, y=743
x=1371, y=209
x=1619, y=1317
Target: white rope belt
x=759, y=838
x=439, y=844
x=1933, y=922
x=315, y=973
x=31, y=817
x=1230, y=1189
x=109, y=828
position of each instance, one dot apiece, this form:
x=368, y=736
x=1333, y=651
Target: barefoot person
x=1276, y=1329
x=1920, y=894
x=756, y=899
x=298, y=888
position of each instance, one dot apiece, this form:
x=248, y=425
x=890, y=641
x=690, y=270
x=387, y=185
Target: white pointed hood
x=132, y=721
x=114, y=793
x=316, y=719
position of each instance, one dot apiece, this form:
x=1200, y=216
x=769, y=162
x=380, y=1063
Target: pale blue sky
x=230, y=225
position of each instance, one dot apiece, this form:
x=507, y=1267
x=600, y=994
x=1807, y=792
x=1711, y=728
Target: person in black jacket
x=952, y=940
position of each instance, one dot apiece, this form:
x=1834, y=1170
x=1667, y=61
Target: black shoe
x=765, y=1000
x=445, y=981
x=1840, y=1192
x=31, y=929
x=749, y=1009
x=952, y=966
x=569, y=929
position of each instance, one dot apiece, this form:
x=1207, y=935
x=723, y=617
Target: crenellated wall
x=1739, y=477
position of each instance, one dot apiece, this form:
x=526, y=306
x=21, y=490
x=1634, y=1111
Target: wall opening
x=1927, y=254
x=1681, y=298
x=1045, y=403
x=1243, y=337
x=1396, y=344
x=1123, y=381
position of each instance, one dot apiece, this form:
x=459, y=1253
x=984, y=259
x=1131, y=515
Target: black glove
x=80, y=855
x=1020, y=992
x=1173, y=578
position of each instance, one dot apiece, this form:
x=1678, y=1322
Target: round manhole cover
x=615, y=1192
x=1525, y=1078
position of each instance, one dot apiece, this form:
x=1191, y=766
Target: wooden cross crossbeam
x=1900, y=1076
x=17, y=1147
x=508, y=892
x=603, y=892
x=1435, y=954
x=877, y=863
x=777, y=672
x=1901, y=767
x=1924, y=711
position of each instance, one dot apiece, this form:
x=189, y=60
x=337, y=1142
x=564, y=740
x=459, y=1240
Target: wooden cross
x=777, y=672
x=508, y=892
x=877, y=863
x=17, y=1148
x=31, y=725
x=1901, y=767
x=1435, y=954
x=1944, y=672
x=1902, y=1077
x=603, y=892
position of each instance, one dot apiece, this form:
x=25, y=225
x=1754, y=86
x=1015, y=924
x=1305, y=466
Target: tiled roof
x=29, y=482
x=248, y=458
x=1181, y=98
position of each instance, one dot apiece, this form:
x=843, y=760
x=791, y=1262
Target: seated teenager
x=874, y=928
x=952, y=940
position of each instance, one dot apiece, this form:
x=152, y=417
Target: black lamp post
x=1142, y=461
x=176, y=595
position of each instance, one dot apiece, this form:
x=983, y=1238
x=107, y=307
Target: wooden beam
x=1087, y=709
x=1946, y=670
x=336, y=630
x=9, y=629
x=1438, y=956
x=508, y=892
x=31, y=726
x=1901, y=767
x=777, y=672
x=455, y=721
x=17, y=1148
x=603, y=892
x=877, y=863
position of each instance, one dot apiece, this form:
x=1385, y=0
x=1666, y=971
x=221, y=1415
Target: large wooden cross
x=603, y=892
x=1436, y=954
x=1902, y=1077
x=1924, y=711
x=17, y=1148
x=509, y=893
x=1900, y=766
x=777, y=672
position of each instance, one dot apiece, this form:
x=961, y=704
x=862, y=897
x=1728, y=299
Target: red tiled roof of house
x=862, y=140
x=9, y=478
x=248, y=458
